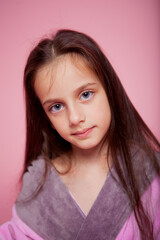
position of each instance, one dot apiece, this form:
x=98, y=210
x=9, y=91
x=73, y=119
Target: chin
x=87, y=146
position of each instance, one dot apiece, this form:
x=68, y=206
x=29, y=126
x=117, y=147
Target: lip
x=83, y=133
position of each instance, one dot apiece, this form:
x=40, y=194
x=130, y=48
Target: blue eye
x=86, y=95
x=56, y=108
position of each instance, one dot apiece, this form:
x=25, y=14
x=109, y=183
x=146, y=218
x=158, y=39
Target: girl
x=92, y=166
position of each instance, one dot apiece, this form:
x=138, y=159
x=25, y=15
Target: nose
x=75, y=115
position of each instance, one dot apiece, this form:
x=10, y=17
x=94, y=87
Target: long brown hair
x=126, y=129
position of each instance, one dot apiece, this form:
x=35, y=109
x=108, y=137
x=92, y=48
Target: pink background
x=128, y=32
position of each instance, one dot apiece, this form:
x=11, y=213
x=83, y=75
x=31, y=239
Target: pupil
x=57, y=106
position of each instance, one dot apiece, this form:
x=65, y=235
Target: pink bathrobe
x=53, y=214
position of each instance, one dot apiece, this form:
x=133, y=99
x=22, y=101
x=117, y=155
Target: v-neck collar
x=72, y=196
x=53, y=213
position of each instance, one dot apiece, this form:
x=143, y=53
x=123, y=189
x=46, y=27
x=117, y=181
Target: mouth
x=83, y=133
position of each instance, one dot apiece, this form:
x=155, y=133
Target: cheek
x=104, y=118
x=60, y=127
x=107, y=115
x=100, y=111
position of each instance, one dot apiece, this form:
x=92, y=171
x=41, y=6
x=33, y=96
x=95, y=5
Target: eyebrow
x=76, y=90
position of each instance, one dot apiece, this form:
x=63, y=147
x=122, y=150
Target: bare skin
x=85, y=179
x=77, y=105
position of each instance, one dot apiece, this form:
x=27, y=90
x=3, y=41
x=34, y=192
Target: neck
x=89, y=157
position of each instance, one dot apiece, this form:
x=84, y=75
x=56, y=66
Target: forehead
x=66, y=69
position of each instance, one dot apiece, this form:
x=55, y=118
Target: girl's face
x=74, y=101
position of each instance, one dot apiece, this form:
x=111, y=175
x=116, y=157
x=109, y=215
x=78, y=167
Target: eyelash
x=54, y=105
x=88, y=92
x=59, y=105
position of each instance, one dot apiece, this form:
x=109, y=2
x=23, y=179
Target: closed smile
x=83, y=133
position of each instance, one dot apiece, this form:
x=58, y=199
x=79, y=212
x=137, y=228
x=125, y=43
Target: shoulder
x=145, y=166
x=145, y=160
x=32, y=178
x=17, y=229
